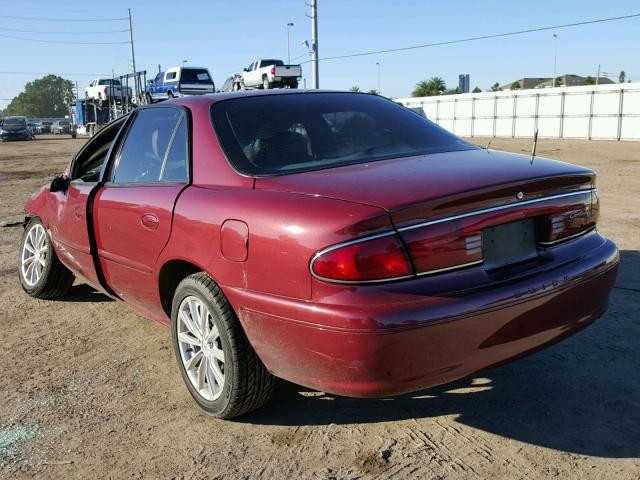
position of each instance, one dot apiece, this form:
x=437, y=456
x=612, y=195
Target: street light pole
x=555, y=59
x=133, y=57
x=315, y=79
x=290, y=24
x=378, y=64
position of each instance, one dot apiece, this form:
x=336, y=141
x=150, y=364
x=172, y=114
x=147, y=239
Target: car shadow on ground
x=85, y=293
x=581, y=395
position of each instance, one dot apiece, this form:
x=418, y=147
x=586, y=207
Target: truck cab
x=179, y=82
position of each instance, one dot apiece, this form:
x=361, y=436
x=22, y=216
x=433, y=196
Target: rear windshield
x=195, y=75
x=108, y=82
x=268, y=63
x=288, y=133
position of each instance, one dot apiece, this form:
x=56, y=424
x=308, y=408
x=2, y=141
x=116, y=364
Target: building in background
x=463, y=83
x=574, y=81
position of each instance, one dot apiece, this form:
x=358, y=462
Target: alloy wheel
x=34, y=255
x=200, y=348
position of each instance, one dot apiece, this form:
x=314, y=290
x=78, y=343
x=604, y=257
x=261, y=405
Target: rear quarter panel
x=285, y=230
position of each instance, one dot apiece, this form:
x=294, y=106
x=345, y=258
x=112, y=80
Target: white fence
x=608, y=112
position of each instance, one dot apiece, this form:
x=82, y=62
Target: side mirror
x=60, y=184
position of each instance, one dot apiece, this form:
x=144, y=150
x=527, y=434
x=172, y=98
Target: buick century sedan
x=336, y=240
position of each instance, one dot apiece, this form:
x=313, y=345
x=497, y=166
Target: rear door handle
x=150, y=221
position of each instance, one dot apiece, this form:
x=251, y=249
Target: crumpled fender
x=36, y=204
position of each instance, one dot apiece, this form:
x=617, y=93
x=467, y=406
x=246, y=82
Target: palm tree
x=373, y=91
x=428, y=88
x=355, y=88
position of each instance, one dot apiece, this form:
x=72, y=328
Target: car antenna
x=488, y=144
x=535, y=144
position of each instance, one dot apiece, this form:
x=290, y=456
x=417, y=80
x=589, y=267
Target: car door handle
x=150, y=221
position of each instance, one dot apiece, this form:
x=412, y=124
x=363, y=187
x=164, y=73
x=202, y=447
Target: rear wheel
x=148, y=98
x=42, y=275
x=170, y=94
x=265, y=83
x=218, y=364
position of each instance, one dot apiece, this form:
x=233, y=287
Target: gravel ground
x=90, y=389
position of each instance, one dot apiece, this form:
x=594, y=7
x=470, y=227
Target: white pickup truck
x=269, y=73
x=104, y=88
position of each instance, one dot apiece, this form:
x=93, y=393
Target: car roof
x=217, y=97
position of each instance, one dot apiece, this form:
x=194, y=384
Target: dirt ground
x=89, y=389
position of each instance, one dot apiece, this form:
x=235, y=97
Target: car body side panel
x=132, y=226
x=284, y=233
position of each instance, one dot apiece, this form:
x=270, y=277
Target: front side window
x=281, y=134
x=88, y=163
x=148, y=146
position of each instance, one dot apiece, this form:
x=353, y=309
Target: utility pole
x=315, y=79
x=290, y=24
x=133, y=58
x=379, y=91
x=555, y=59
x=598, y=75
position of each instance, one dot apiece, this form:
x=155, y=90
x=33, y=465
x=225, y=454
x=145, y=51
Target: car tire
x=54, y=279
x=170, y=95
x=148, y=98
x=246, y=383
x=294, y=84
x=265, y=83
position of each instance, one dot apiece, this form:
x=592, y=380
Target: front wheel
x=42, y=275
x=218, y=364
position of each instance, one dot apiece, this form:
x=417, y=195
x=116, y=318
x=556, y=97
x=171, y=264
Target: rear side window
x=288, y=133
x=171, y=75
x=146, y=148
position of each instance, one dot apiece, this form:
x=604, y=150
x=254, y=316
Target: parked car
x=179, y=82
x=271, y=73
x=46, y=126
x=232, y=84
x=104, y=88
x=15, y=128
x=346, y=243
x=34, y=127
x=61, y=126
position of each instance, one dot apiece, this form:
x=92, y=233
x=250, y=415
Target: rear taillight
x=571, y=220
x=273, y=71
x=443, y=246
x=377, y=259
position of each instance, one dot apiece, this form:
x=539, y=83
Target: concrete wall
x=610, y=112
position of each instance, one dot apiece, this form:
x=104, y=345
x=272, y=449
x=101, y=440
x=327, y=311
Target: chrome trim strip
x=456, y=267
x=496, y=209
x=566, y=239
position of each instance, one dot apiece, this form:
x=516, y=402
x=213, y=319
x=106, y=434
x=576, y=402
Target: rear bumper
x=400, y=344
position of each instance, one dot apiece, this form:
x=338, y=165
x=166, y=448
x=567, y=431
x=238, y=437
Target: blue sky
x=225, y=35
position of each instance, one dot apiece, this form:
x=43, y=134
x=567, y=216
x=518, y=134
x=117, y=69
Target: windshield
x=280, y=134
x=14, y=122
x=106, y=81
x=195, y=75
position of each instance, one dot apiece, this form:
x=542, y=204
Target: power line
x=60, y=42
x=59, y=74
x=482, y=37
x=64, y=19
x=63, y=33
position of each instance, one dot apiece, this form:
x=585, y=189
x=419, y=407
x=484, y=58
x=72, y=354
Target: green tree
x=477, y=90
x=45, y=97
x=452, y=91
x=557, y=82
x=622, y=76
x=495, y=87
x=355, y=88
x=429, y=88
x=373, y=91
x=516, y=86
x=589, y=80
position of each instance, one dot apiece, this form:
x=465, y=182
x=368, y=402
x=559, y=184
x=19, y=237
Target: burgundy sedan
x=336, y=240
